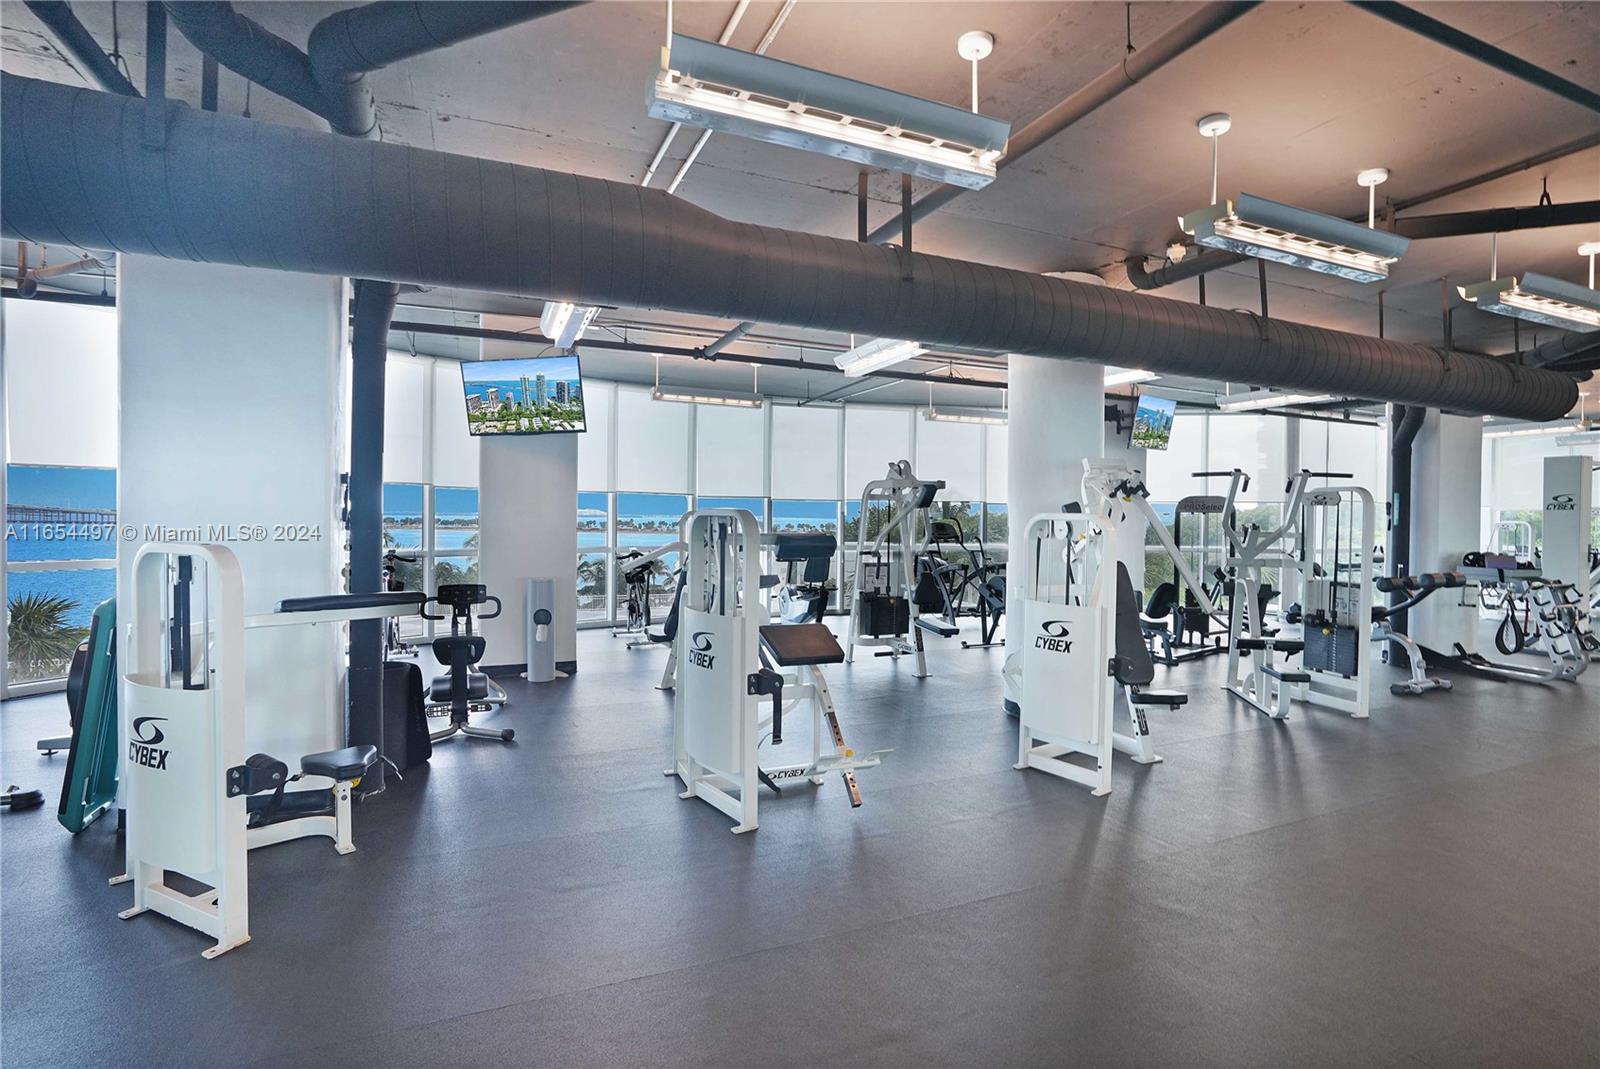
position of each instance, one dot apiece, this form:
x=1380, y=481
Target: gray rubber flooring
x=1422, y=888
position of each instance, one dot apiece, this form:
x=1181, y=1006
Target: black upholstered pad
x=477, y=688
x=1441, y=580
x=378, y=599
x=348, y=763
x=1170, y=698
x=1282, y=645
x=797, y=644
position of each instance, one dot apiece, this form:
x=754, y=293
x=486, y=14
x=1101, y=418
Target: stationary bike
x=393, y=644
x=465, y=690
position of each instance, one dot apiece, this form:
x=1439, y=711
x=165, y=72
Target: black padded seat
x=1286, y=676
x=791, y=645
x=380, y=599
x=1169, y=698
x=348, y=763
x=1282, y=645
x=477, y=688
x=937, y=627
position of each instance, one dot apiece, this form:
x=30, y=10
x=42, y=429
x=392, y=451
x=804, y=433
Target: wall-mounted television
x=1152, y=422
x=540, y=395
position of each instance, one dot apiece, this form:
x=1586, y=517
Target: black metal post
x=208, y=83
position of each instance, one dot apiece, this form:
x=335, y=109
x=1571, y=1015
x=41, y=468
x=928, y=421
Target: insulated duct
x=231, y=190
x=1405, y=422
x=330, y=78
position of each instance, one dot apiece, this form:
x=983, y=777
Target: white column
x=1446, y=481
x=527, y=525
x=233, y=416
x=1568, y=500
x=1056, y=411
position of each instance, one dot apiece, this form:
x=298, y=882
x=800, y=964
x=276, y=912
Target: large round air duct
x=76, y=171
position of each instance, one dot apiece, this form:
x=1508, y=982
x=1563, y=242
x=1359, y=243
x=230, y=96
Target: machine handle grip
x=422, y=610
x=1212, y=475
x=490, y=615
x=1331, y=474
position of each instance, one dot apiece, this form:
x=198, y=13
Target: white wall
x=1446, y=475
x=232, y=413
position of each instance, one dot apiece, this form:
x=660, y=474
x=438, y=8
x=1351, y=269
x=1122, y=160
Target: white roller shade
x=949, y=451
x=61, y=384
x=1363, y=452
x=805, y=452
x=653, y=443
x=730, y=451
x=1519, y=471
x=1254, y=444
x=405, y=419
x=994, y=486
x=594, y=445
x=455, y=451
x=874, y=438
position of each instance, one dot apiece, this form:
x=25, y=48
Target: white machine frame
x=902, y=539
x=719, y=720
x=1067, y=635
x=1254, y=674
x=183, y=748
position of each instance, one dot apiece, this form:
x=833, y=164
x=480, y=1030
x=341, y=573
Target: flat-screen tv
x=541, y=395
x=1152, y=422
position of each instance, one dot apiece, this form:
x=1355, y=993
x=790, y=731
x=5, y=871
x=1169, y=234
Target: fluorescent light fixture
x=989, y=417
x=1127, y=376
x=1285, y=234
x=1252, y=402
x=1525, y=432
x=701, y=395
x=755, y=96
x=1538, y=299
x=876, y=354
x=1583, y=437
x=564, y=323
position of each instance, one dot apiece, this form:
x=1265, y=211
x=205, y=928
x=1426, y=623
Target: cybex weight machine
x=892, y=535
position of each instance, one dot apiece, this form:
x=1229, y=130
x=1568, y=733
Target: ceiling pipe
x=330, y=78
x=230, y=190
x=1564, y=348
x=93, y=300
x=1497, y=220
x=78, y=43
x=1109, y=85
x=1482, y=51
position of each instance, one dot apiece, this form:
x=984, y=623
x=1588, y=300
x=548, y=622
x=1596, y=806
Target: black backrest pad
x=1133, y=664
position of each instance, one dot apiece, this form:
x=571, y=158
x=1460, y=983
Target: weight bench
x=804, y=649
x=284, y=814
x=1268, y=688
x=1415, y=588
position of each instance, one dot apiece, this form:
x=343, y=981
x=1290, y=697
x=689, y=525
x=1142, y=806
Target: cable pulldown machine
x=891, y=538
x=741, y=675
x=1080, y=640
x=1558, y=621
x=196, y=805
x=1113, y=489
x=1322, y=550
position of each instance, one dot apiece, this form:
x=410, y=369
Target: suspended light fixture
x=1262, y=228
x=564, y=323
x=1127, y=376
x=1259, y=399
x=987, y=416
x=1538, y=298
x=705, y=395
x=1586, y=436
x=720, y=88
x=877, y=354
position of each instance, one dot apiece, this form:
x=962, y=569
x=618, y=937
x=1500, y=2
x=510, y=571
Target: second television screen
x=542, y=395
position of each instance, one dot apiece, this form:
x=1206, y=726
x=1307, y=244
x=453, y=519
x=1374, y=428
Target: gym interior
x=783, y=532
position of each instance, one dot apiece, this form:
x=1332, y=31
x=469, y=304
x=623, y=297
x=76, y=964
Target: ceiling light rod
x=1371, y=178
x=1256, y=400
x=1211, y=128
x=975, y=45
x=1591, y=249
x=1539, y=298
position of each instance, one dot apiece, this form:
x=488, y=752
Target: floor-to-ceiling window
x=60, y=484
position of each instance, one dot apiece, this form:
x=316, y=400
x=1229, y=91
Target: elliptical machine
x=465, y=690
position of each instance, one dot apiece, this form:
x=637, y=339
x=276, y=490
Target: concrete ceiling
x=1317, y=91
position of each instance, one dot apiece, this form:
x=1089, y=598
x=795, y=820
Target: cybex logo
x=1055, y=636
x=1561, y=503
x=147, y=737
x=700, y=654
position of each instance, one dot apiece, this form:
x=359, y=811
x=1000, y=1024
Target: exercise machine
x=1080, y=644
x=743, y=677
x=89, y=782
x=1322, y=551
x=196, y=804
x=956, y=581
x=1177, y=610
x=1414, y=589
x=638, y=568
x=892, y=536
x=807, y=562
x=393, y=644
x=1559, y=622
x=461, y=689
